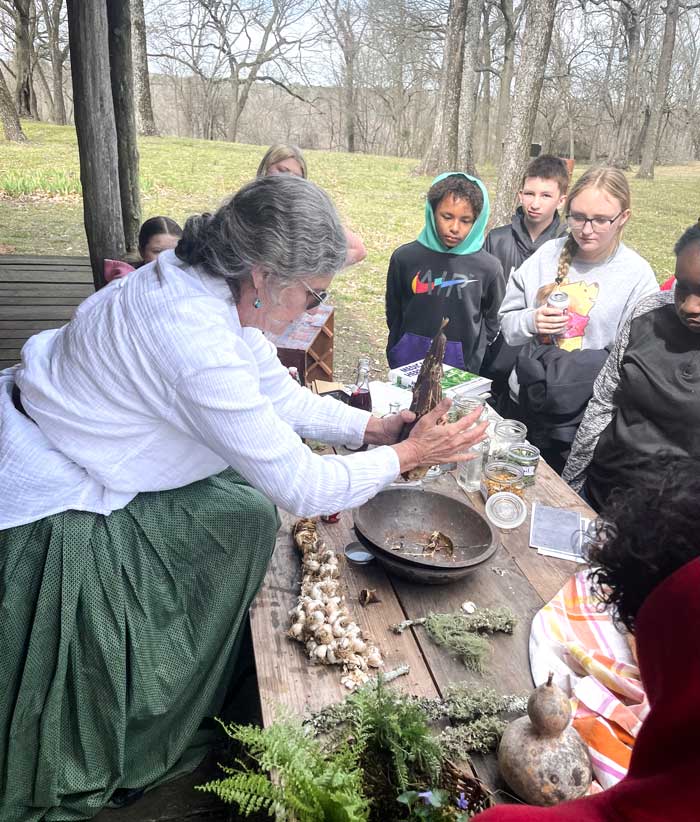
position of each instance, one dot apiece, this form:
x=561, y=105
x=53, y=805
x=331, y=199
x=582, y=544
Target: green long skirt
x=118, y=635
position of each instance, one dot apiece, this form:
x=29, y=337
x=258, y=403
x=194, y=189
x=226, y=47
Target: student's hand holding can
x=550, y=320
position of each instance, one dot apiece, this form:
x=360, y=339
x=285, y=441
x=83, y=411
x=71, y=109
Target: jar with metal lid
x=501, y=476
x=527, y=457
x=507, y=434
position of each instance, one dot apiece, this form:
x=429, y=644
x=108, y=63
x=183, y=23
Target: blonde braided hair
x=613, y=182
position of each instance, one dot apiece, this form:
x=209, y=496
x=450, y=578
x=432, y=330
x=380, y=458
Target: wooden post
x=119, y=21
x=96, y=130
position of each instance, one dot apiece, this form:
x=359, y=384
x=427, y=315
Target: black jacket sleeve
x=491, y=302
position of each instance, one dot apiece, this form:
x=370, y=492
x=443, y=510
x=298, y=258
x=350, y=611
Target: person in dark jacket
x=555, y=387
x=445, y=273
x=536, y=220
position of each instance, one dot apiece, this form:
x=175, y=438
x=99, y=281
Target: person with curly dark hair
x=646, y=399
x=445, y=273
x=646, y=557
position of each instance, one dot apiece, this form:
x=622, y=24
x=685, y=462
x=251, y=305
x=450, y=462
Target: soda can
x=560, y=300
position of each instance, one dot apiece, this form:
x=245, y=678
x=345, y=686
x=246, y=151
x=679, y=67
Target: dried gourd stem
x=550, y=678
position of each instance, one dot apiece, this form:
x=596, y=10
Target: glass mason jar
x=501, y=476
x=461, y=407
x=527, y=457
x=506, y=435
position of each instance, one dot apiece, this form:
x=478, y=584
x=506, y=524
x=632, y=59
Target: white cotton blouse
x=153, y=385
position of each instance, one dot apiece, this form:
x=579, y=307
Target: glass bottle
x=361, y=397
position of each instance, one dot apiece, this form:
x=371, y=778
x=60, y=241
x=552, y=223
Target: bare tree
x=467, y=100
x=142, y=85
x=631, y=14
x=663, y=75
x=345, y=22
x=24, y=15
x=539, y=21
x=52, y=14
x=511, y=23
x=443, y=148
x=8, y=114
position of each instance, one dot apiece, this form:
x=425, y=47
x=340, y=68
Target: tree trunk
x=467, y=100
x=122, y=74
x=350, y=97
x=600, y=105
x=96, y=131
x=506, y=7
x=651, y=142
x=621, y=147
x=142, y=84
x=8, y=114
x=485, y=108
x=59, y=104
x=24, y=90
x=526, y=95
x=442, y=152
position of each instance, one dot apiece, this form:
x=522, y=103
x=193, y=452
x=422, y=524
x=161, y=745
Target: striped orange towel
x=593, y=663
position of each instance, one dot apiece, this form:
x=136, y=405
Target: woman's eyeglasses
x=598, y=224
x=315, y=298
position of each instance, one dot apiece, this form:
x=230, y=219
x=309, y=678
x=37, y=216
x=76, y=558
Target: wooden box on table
x=307, y=344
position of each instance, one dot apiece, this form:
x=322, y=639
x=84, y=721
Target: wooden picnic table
x=516, y=576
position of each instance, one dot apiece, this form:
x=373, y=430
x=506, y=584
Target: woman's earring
x=257, y=303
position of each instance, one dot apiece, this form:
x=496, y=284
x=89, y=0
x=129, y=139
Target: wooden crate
x=307, y=344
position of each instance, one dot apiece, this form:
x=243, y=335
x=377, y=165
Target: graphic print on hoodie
x=426, y=282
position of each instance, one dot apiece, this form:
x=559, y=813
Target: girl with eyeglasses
x=602, y=278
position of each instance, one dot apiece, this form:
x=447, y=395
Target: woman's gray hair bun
x=283, y=225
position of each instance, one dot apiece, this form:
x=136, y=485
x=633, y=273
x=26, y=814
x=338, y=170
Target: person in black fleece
x=445, y=273
x=536, y=220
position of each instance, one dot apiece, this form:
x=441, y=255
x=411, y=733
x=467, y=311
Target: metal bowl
x=398, y=522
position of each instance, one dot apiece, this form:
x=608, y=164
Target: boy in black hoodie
x=445, y=273
x=536, y=220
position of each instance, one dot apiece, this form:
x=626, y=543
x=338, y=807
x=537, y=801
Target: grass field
x=379, y=197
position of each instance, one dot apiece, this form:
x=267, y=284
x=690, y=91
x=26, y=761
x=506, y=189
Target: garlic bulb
x=321, y=619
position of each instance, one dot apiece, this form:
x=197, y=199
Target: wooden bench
x=38, y=293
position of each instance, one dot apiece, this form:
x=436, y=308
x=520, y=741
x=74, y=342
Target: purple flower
x=426, y=796
x=462, y=803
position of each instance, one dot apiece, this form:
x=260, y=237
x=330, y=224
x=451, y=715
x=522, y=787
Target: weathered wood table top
x=515, y=576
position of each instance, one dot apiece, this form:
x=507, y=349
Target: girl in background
x=155, y=235
x=286, y=159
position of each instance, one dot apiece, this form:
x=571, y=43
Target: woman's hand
x=386, y=431
x=431, y=443
x=550, y=320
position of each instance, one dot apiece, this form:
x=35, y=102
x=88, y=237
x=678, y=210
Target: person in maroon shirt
x=646, y=566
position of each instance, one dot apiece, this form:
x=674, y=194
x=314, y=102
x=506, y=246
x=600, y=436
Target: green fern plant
x=309, y=785
x=386, y=725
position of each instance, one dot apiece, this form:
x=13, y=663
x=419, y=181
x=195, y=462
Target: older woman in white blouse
x=143, y=447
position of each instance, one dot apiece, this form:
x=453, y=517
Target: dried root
x=321, y=619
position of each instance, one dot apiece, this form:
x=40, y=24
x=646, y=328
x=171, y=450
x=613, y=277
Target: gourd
x=427, y=392
x=541, y=757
